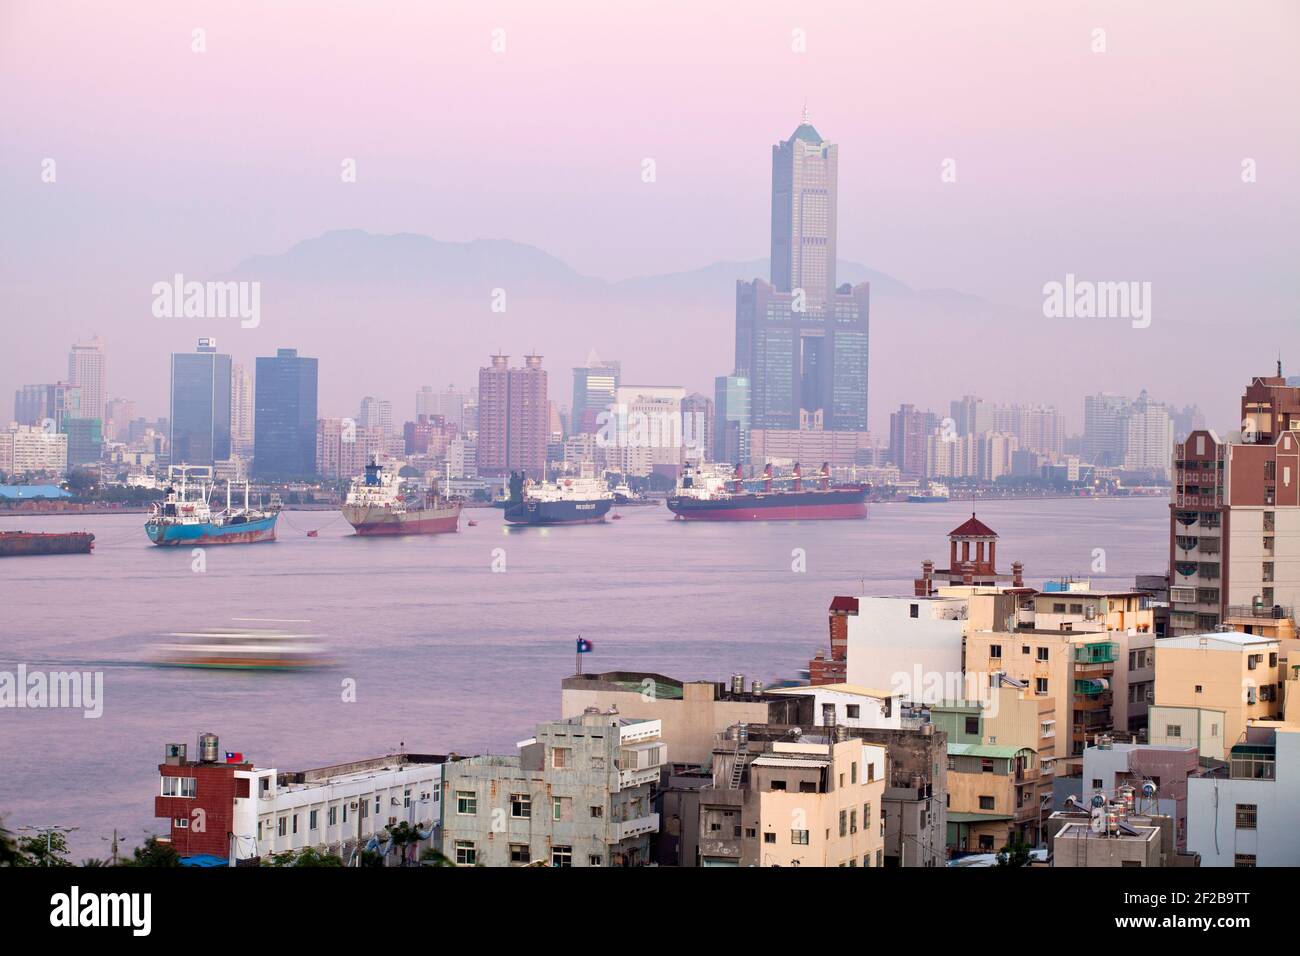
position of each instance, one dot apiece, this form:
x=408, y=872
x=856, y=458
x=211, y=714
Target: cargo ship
x=15, y=544
x=564, y=501
x=382, y=503
x=934, y=492
x=184, y=517
x=706, y=493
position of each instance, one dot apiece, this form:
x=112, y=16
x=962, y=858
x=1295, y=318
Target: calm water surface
x=446, y=653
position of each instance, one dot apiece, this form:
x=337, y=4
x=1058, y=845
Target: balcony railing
x=1275, y=612
x=1101, y=652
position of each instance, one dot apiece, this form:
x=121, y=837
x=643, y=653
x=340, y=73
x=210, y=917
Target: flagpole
x=578, y=653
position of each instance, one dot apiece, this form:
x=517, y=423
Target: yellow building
x=992, y=797
x=794, y=803
x=1208, y=686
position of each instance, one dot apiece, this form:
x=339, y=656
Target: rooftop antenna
x=805, y=109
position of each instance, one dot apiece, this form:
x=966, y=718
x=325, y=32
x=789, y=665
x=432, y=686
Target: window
x=769, y=837
x=282, y=828
x=333, y=816
x=295, y=823
x=853, y=711
x=376, y=806
x=313, y=820
x=1040, y=685
x=178, y=786
x=520, y=853
x=778, y=784
x=181, y=823
x=844, y=823
x=1043, y=654
x=561, y=757
x=1199, y=689
x=466, y=802
x=466, y=853
x=799, y=837
x=597, y=812
x=1058, y=608
x=972, y=725
x=561, y=856
x=853, y=821
x=914, y=610
x=986, y=803
x=853, y=772
x=406, y=798
x=995, y=650
x=1173, y=730
x=561, y=808
x=871, y=772
x=1024, y=648
x=986, y=765
x=594, y=860
x=521, y=806
x=1247, y=816
x=986, y=842
x=1096, y=783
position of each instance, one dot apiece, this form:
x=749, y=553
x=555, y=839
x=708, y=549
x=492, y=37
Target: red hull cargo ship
x=709, y=495
x=20, y=543
x=381, y=503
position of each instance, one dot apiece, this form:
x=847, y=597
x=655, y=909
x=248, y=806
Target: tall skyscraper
x=86, y=370
x=34, y=404
x=285, y=416
x=376, y=413
x=801, y=340
x=241, y=411
x=731, y=427
x=594, y=386
x=514, y=418
x=200, y=406
x=908, y=431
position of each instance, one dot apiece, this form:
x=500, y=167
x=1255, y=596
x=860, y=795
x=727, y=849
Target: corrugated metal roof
x=985, y=750
x=790, y=762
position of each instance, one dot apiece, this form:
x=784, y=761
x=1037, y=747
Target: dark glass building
x=200, y=406
x=284, y=422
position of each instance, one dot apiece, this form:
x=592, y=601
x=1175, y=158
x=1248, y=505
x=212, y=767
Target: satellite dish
x=1149, y=789
x=1098, y=800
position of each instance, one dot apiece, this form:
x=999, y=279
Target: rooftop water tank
x=208, y=748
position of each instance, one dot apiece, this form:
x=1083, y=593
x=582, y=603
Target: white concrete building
x=848, y=705
x=911, y=645
x=28, y=449
x=1246, y=816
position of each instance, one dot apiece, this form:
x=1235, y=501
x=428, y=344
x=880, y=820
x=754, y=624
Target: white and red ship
x=383, y=503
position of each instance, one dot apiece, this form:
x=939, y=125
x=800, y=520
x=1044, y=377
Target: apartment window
x=333, y=816
x=880, y=858
x=866, y=813
x=1247, y=816
x=561, y=808
x=1024, y=648
x=1096, y=783
x=365, y=808
x=377, y=806
x=1043, y=653
x=1058, y=608
x=871, y=772
x=181, y=823
x=778, y=784
x=345, y=813
x=282, y=827
x=853, y=821
x=972, y=725
x=521, y=806
x=1040, y=685
x=986, y=803
x=259, y=829
x=466, y=853
x=852, y=711
x=597, y=812
x=520, y=853
x=914, y=610
x=295, y=823
x=853, y=772
x=995, y=650
x=406, y=798
x=844, y=823
x=561, y=757
x=594, y=860
x=986, y=765
x=751, y=833
x=466, y=802
x=799, y=837
x=178, y=786
x=807, y=786
x=986, y=842
x=1076, y=608
x=1243, y=859
x=1173, y=730
x=769, y=837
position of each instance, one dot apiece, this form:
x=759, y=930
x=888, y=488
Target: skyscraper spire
x=805, y=109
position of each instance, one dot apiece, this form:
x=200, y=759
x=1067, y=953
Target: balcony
x=1026, y=775
x=1100, y=652
x=631, y=829
x=1259, y=612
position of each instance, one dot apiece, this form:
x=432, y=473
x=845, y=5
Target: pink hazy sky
x=1117, y=165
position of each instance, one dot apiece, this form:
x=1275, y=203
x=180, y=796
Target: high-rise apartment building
x=731, y=422
x=513, y=418
x=200, y=406
x=86, y=370
x=908, y=432
x=37, y=404
x=1234, y=518
x=285, y=415
x=241, y=411
x=800, y=340
x=376, y=413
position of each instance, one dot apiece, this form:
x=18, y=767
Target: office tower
x=376, y=413
x=118, y=413
x=284, y=426
x=1234, y=519
x=971, y=415
x=800, y=340
x=908, y=431
x=241, y=411
x=451, y=406
x=200, y=406
x=697, y=426
x=86, y=370
x=593, y=392
x=731, y=424
x=426, y=402
x=85, y=440
x=514, y=418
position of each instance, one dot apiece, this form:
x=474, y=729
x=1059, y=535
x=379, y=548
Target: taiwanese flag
x=584, y=646
x=234, y=757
